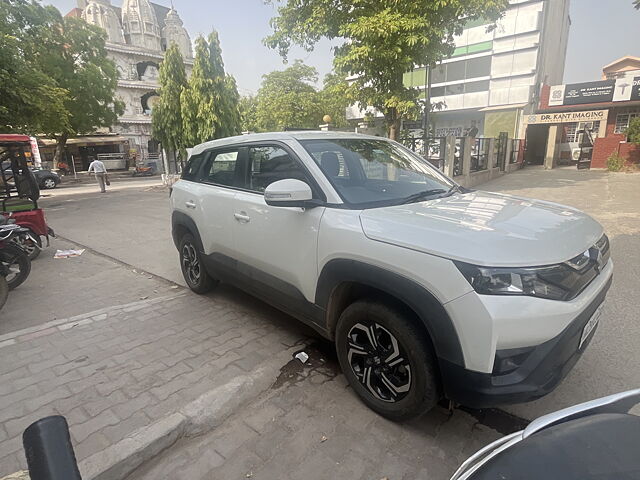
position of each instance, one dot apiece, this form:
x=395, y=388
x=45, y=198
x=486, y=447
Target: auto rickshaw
x=19, y=191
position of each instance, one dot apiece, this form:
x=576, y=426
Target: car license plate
x=591, y=324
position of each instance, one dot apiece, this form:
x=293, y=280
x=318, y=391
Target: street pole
x=73, y=164
x=427, y=107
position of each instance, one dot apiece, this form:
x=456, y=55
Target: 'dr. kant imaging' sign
x=568, y=117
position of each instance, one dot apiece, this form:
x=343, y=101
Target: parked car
x=428, y=290
x=46, y=178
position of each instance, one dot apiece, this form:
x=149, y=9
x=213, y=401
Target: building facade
x=138, y=33
x=587, y=121
x=494, y=76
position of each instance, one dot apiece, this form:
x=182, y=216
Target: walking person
x=101, y=174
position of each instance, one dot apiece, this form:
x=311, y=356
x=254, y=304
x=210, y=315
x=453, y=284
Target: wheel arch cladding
x=335, y=291
x=182, y=223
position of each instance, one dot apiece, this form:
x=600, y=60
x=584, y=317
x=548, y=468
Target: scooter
x=597, y=440
x=36, y=224
x=145, y=170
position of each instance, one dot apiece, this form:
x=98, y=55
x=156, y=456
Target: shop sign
x=567, y=117
x=622, y=89
x=449, y=132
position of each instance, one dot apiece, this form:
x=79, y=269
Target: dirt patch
x=322, y=360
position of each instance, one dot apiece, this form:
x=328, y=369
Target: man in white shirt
x=101, y=173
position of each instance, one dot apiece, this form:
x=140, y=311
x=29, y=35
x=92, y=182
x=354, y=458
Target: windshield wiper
x=422, y=195
x=454, y=188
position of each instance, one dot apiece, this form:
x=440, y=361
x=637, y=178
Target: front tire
x=387, y=359
x=17, y=263
x=193, y=270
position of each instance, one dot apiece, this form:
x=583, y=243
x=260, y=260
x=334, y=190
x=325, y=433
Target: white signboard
x=556, y=96
x=449, y=132
x=623, y=89
x=568, y=117
x=35, y=151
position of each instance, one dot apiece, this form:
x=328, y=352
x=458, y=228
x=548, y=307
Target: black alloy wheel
x=388, y=359
x=193, y=270
x=378, y=361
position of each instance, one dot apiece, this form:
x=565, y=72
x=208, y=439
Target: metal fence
x=436, y=149
x=517, y=150
x=479, y=154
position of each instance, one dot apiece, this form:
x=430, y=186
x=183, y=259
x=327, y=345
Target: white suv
x=427, y=289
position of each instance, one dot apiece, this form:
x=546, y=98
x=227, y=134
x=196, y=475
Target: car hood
x=486, y=229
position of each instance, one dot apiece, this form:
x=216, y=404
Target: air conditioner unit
x=575, y=154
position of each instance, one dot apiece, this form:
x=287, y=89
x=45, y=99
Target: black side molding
x=427, y=307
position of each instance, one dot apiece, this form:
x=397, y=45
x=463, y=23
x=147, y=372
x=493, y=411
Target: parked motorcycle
x=15, y=265
x=597, y=440
x=37, y=229
x=142, y=170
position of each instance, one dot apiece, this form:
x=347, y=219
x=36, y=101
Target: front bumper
x=535, y=372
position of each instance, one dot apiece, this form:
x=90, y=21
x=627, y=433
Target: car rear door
x=276, y=246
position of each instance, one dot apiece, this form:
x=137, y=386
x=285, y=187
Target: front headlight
x=553, y=282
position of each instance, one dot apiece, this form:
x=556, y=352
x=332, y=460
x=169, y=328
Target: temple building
x=138, y=33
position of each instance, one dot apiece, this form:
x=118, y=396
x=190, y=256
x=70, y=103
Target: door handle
x=190, y=204
x=242, y=217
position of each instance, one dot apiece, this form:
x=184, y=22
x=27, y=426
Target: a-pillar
x=550, y=157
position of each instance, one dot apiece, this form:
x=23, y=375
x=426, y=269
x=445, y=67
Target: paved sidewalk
x=311, y=426
x=60, y=288
x=115, y=370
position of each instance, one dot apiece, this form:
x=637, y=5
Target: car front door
x=276, y=246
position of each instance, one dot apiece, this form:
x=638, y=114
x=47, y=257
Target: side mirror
x=289, y=193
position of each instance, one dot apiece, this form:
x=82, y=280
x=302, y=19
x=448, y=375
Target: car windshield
x=372, y=173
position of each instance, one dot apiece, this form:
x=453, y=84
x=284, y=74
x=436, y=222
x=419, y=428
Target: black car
x=46, y=178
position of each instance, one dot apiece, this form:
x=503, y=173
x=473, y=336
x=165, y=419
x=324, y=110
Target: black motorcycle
x=15, y=265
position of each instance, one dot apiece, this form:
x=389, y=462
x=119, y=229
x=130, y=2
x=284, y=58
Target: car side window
x=220, y=168
x=193, y=168
x=269, y=164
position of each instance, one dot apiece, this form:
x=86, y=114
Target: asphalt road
x=132, y=223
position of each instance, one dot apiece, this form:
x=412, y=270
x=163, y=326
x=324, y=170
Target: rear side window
x=270, y=164
x=192, y=169
x=220, y=168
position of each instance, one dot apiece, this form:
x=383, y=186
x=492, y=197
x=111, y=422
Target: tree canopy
x=166, y=116
x=55, y=77
x=633, y=132
x=30, y=100
x=210, y=100
x=383, y=39
x=288, y=99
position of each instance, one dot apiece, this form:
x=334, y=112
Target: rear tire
x=18, y=263
x=4, y=291
x=388, y=360
x=193, y=270
x=26, y=244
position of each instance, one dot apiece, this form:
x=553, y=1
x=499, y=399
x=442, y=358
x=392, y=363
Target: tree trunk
x=393, y=124
x=61, y=141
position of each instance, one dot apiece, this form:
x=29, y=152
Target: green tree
x=30, y=99
x=166, y=117
x=210, y=101
x=77, y=61
x=382, y=40
x=335, y=99
x=287, y=98
x=633, y=132
x=248, y=121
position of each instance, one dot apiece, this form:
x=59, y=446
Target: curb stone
x=205, y=413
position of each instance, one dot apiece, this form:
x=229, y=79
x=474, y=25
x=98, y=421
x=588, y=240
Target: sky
x=601, y=31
